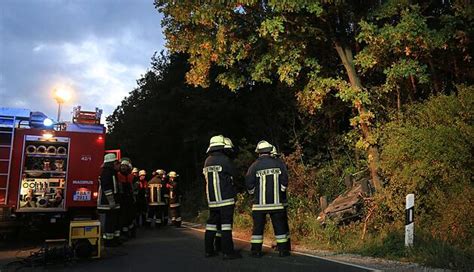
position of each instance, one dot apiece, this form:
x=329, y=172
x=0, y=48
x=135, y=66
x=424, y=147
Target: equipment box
x=84, y=237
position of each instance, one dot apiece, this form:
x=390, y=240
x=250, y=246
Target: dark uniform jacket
x=267, y=180
x=125, y=184
x=219, y=172
x=156, y=192
x=108, y=185
x=135, y=187
x=142, y=195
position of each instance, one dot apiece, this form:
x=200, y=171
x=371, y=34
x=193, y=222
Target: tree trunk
x=323, y=202
x=399, y=103
x=434, y=75
x=413, y=84
x=345, y=54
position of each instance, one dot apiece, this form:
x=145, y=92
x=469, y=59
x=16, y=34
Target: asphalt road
x=182, y=249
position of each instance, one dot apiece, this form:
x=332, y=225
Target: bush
x=428, y=152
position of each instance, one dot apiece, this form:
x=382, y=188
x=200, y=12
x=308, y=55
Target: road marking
x=194, y=227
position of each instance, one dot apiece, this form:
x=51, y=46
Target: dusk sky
x=97, y=48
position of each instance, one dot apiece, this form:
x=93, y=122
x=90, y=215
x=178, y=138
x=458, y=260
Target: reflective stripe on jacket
x=107, y=186
x=219, y=172
x=267, y=181
x=156, y=192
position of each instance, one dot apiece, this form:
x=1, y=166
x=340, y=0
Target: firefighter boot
x=256, y=250
x=116, y=242
x=133, y=233
x=110, y=243
x=232, y=256
x=283, y=249
x=217, y=244
x=210, y=254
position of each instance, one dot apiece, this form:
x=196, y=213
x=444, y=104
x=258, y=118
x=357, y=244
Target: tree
x=165, y=123
x=309, y=45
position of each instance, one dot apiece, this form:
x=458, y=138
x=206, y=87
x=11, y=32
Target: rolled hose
x=41, y=149
x=31, y=149
x=51, y=150
x=61, y=151
x=42, y=202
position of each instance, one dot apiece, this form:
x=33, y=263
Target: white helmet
x=160, y=172
x=135, y=170
x=173, y=174
x=142, y=173
x=126, y=161
x=110, y=157
x=263, y=147
x=216, y=143
x=274, y=151
x=228, y=143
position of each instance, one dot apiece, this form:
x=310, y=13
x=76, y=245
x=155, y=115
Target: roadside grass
x=441, y=254
x=388, y=242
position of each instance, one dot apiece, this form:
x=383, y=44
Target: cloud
x=97, y=48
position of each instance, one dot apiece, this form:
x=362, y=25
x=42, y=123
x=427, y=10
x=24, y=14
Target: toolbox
x=84, y=238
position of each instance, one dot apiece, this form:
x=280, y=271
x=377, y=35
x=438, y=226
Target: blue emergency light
x=40, y=120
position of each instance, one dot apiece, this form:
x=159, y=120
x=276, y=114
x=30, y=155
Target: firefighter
x=156, y=199
x=166, y=195
x=135, y=183
x=284, y=196
x=135, y=190
x=174, y=199
x=230, y=152
x=127, y=213
x=107, y=202
x=266, y=180
x=135, y=172
x=141, y=199
x=219, y=172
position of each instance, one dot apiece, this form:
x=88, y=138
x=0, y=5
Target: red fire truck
x=49, y=171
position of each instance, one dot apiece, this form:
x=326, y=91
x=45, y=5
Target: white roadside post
x=409, y=216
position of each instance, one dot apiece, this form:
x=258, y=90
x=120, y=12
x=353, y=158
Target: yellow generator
x=84, y=238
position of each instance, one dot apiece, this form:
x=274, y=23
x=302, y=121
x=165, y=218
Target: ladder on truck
x=8, y=120
x=7, y=131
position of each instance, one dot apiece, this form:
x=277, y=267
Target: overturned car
x=348, y=206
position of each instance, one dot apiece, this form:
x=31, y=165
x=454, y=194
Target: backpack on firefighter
x=157, y=203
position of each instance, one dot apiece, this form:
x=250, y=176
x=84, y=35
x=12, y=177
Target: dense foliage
x=428, y=151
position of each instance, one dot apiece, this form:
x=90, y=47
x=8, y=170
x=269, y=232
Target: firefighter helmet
x=264, y=147
x=216, y=143
x=274, y=151
x=173, y=174
x=160, y=172
x=228, y=143
x=135, y=170
x=142, y=173
x=111, y=157
x=127, y=162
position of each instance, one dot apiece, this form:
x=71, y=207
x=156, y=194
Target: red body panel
x=86, y=151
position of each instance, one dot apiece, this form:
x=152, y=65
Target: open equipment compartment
x=44, y=173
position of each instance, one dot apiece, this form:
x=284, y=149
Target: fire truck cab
x=49, y=171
